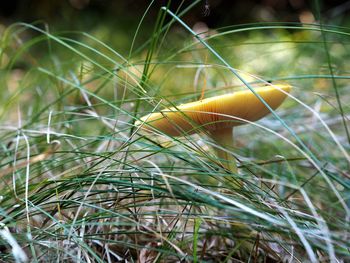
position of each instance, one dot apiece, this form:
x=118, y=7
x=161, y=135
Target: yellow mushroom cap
x=215, y=113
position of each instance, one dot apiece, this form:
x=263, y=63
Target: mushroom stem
x=224, y=137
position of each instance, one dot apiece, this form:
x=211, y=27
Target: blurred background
x=83, y=14
x=115, y=22
x=282, y=50
x=80, y=13
x=107, y=19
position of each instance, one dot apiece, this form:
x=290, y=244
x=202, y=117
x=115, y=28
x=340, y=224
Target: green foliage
x=79, y=182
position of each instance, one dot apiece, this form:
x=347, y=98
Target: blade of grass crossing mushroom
x=243, y=81
x=284, y=124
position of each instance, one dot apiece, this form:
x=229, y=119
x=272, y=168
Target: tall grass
x=80, y=182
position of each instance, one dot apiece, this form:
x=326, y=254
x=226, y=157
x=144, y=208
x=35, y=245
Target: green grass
x=80, y=182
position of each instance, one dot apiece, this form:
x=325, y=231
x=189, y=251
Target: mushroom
x=217, y=116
